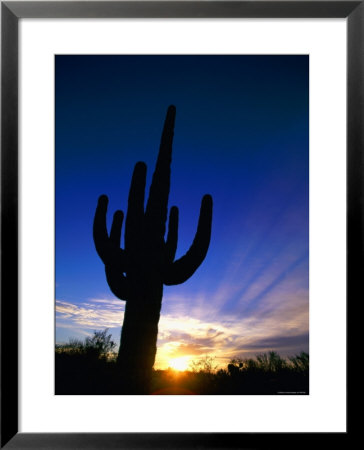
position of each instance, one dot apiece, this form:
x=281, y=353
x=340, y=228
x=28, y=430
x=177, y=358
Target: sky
x=241, y=135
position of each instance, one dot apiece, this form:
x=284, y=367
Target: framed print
x=191, y=351
x=181, y=216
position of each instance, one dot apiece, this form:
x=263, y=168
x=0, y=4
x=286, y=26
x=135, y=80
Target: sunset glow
x=180, y=363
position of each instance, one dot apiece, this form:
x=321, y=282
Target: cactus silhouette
x=137, y=272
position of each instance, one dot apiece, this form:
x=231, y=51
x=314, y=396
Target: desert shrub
x=300, y=362
x=206, y=365
x=235, y=366
x=99, y=345
x=84, y=367
x=271, y=362
x=73, y=347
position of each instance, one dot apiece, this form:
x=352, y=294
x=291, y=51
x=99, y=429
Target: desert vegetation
x=90, y=367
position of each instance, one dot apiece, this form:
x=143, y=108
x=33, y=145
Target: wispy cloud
x=283, y=328
x=89, y=315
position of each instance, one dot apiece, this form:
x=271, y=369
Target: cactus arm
x=157, y=205
x=117, y=281
x=182, y=269
x=109, y=249
x=115, y=232
x=172, y=236
x=101, y=237
x=135, y=214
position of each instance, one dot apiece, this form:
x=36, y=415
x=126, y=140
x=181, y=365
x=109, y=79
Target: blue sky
x=241, y=135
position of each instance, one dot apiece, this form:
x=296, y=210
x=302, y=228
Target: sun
x=181, y=363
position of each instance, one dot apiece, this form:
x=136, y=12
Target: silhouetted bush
x=81, y=371
x=300, y=362
x=206, y=364
x=85, y=367
x=99, y=345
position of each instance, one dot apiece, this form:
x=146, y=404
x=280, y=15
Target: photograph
x=181, y=224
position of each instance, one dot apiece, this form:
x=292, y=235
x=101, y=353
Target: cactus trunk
x=138, y=343
x=137, y=273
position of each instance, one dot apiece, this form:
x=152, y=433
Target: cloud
x=192, y=349
x=279, y=342
x=91, y=314
x=279, y=323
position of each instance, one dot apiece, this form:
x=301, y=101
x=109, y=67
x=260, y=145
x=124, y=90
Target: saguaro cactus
x=137, y=272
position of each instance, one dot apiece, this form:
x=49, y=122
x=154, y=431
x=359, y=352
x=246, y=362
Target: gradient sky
x=241, y=135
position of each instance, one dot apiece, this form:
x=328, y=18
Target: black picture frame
x=11, y=12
